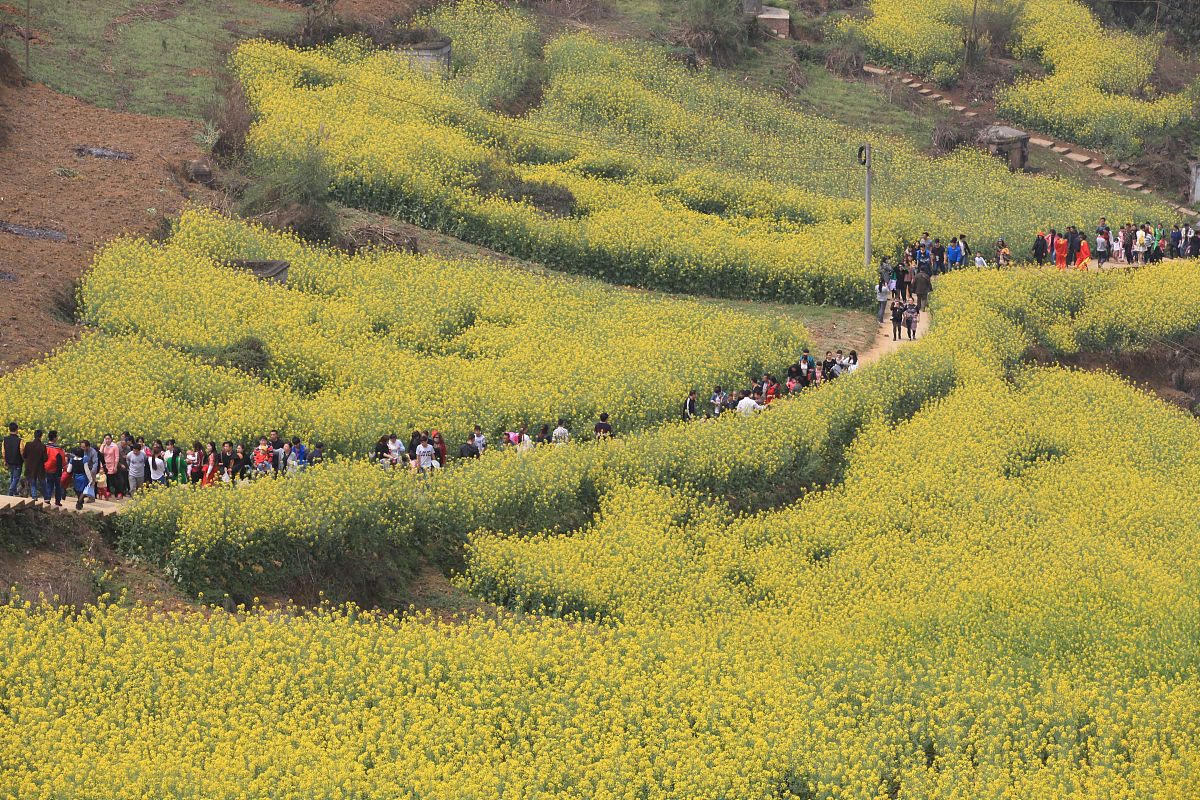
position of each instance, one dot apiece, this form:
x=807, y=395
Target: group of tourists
x=1128, y=244
x=117, y=468
x=904, y=286
x=804, y=373
x=428, y=451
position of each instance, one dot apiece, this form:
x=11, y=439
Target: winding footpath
x=1091, y=159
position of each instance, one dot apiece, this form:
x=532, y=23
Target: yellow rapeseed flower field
x=362, y=346
x=632, y=168
x=996, y=599
x=1098, y=91
x=950, y=575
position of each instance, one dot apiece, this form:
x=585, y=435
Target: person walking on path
x=897, y=318
x=882, y=295
x=922, y=286
x=82, y=475
x=954, y=255
x=1102, y=247
x=1140, y=245
x=1084, y=259
x=135, y=463
x=56, y=464
x=912, y=315
x=12, y=458
x=34, y=455
x=885, y=270
x=1073, y=239
x=1040, y=249
x=1060, y=253
x=1003, y=254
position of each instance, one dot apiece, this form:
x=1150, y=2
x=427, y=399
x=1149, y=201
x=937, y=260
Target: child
x=1003, y=255
x=102, y=485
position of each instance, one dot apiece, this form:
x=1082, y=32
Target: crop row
x=633, y=169
x=356, y=347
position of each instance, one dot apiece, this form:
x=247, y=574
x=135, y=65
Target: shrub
x=294, y=196
x=716, y=29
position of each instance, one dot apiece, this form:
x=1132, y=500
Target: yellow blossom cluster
x=362, y=346
x=963, y=614
x=632, y=169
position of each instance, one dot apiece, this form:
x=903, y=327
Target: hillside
x=495, y=400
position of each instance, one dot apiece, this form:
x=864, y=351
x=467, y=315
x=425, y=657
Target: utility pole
x=864, y=158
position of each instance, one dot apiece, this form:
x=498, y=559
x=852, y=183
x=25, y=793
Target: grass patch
x=151, y=58
x=865, y=106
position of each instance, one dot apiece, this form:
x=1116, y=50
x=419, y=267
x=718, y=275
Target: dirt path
x=985, y=114
x=884, y=345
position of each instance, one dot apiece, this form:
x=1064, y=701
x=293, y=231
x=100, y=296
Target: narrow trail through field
x=884, y=344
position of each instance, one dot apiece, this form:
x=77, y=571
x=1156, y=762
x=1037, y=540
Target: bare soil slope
x=44, y=184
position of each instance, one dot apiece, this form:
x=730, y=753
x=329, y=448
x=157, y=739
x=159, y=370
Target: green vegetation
x=156, y=59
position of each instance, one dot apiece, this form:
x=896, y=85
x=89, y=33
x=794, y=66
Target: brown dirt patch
x=62, y=555
x=45, y=185
x=378, y=9
x=162, y=11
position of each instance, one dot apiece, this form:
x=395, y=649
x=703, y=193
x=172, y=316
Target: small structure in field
x=270, y=270
x=1008, y=143
x=426, y=49
x=776, y=20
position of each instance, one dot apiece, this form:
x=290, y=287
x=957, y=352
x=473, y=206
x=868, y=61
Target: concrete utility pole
x=864, y=158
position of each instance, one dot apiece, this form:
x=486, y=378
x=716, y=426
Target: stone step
x=970, y=114
x=1094, y=165
x=1036, y=142
x=874, y=70
x=1078, y=158
x=1107, y=173
x=926, y=91
x=1134, y=186
x=960, y=109
x=1058, y=148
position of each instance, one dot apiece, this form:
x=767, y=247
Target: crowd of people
x=804, y=373
x=118, y=467
x=904, y=286
x=1128, y=245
